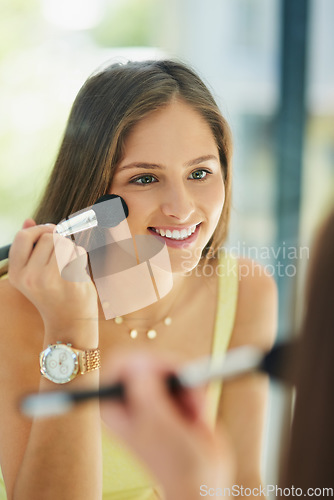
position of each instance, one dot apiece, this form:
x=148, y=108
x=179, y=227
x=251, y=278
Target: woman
x=152, y=133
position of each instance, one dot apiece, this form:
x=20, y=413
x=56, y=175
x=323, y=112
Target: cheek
x=139, y=208
x=216, y=201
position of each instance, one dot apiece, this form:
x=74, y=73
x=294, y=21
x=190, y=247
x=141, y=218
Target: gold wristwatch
x=61, y=363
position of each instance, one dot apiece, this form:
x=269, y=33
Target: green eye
x=199, y=174
x=144, y=179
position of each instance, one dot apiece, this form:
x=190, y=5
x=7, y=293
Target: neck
x=150, y=315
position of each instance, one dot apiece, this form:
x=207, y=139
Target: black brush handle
x=117, y=391
x=4, y=252
x=279, y=362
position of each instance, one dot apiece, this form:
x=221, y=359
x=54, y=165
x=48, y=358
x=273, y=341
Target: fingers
x=39, y=255
x=71, y=259
x=39, y=246
x=192, y=403
x=147, y=392
x=23, y=247
x=28, y=223
x=144, y=378
x=42, y=252
x=145, y=412
x=34, y=271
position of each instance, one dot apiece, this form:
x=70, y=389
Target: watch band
x=89, y=360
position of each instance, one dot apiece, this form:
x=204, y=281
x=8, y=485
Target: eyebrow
x=154, y=166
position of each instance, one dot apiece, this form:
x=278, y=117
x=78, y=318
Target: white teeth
x=176, y=235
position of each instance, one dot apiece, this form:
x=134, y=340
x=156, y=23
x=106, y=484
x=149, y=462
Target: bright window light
x=73, y=14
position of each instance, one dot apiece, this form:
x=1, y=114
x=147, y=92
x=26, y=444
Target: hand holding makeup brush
x=41, y=256
x=33, y=269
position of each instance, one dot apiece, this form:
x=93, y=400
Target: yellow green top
x=124, y=477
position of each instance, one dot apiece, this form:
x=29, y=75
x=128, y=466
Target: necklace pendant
x=133, y=334
x=151, y=334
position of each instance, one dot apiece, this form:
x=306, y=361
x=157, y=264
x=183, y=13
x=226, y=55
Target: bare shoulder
x=256, y=315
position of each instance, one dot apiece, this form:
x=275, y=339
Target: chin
x=185, y=264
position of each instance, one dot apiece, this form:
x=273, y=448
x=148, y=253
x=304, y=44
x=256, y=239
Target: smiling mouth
x=176, y=234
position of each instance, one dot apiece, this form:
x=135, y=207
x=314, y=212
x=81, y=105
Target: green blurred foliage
x=18, y=22
x=128, y=23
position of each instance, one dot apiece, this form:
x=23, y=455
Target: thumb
x=28, y=223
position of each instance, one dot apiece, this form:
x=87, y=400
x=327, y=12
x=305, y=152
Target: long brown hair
x=310, y=458
x=108, y=105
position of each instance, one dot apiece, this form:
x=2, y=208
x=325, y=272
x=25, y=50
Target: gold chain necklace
x=151, y=333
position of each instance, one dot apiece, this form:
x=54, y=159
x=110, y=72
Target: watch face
x=59, y=363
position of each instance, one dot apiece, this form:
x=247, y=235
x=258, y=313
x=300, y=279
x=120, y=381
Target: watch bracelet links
x=90, y=360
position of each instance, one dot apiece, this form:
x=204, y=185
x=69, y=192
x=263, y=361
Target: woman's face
x=171, y=179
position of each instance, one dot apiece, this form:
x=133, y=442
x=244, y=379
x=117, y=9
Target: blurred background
x=270, y=66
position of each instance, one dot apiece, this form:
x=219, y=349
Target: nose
x=177, y=202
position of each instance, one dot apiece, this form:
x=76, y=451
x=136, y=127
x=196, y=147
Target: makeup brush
x=234, y=363
x=97, y=215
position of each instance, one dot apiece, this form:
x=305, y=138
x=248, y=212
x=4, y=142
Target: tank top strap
x=3, y=495
x=228, y=280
